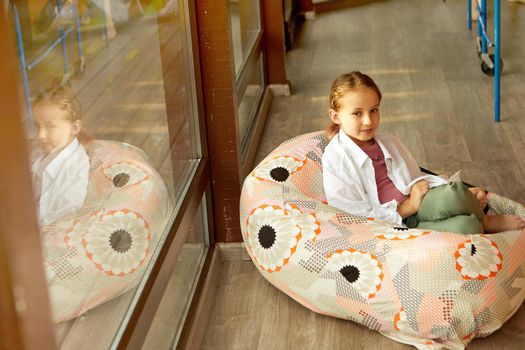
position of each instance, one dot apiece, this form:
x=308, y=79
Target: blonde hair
x=342, y=85
x=65, y=99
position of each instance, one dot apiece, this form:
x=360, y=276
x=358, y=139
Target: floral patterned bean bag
x=429, y=289
x=101, y=250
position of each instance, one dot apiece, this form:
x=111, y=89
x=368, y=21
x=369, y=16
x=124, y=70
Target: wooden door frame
x=228, y=164
x=25, y=313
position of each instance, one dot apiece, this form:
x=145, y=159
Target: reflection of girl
x=59, y=163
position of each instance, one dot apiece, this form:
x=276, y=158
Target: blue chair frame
x=488, y=63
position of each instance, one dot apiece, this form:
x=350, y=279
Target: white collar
x=357, y=153
x=53, y=168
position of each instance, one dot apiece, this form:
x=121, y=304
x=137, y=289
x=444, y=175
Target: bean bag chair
x=101, y=250
x=430, y=289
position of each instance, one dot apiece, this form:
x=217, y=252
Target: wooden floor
x=249, y=313
x=435, y=98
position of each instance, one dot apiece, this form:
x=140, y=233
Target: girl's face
x=53, y=129
x=358, y=115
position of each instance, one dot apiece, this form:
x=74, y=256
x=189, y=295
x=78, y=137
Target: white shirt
x=349, y=176
x=63, y=182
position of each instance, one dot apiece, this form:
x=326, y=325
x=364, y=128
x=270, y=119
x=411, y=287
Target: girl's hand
x=481, y=195
x=417, y=193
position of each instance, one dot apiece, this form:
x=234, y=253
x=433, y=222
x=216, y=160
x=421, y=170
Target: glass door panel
x=109, y=97
x=249, y=101
x=245, y=19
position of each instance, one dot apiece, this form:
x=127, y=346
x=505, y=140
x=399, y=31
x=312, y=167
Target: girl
x=374, y=175
x=59, y=163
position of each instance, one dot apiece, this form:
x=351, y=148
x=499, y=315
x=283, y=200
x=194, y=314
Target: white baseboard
x=233, y=251
x=309, y=15
x=280, y=89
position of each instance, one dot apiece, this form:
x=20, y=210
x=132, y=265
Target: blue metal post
x=25, y=82
x=483, y=16
x=469, y=14
x=497, y=52
x=478, y=25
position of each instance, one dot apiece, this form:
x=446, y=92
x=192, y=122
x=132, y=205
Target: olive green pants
x=449, y=208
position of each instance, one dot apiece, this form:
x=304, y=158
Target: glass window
x=109, y=94
x=245, y=26
x=250, y=100
x=167, y=324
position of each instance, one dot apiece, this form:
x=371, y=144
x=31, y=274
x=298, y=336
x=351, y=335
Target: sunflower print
x=125, y=174
x=478, y=258
x=278, y=169
x=272, y=236
x=362, y=270
x=118, y=242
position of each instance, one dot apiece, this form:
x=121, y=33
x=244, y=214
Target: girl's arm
x=406, y=209
x=412, y=204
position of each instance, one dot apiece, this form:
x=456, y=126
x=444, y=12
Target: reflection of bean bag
x=429, y=289
x=101, y=250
